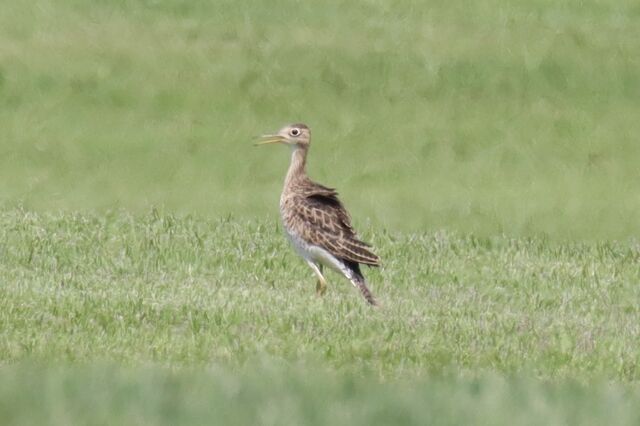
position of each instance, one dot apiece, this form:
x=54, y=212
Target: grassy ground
x=487, y=148
x=275, y=395
x=201, y=297
x=187, y=292
x=484, y=116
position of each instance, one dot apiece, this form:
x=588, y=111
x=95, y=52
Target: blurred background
x=488, y=116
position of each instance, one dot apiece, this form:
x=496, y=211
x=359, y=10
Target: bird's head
x=294, y=135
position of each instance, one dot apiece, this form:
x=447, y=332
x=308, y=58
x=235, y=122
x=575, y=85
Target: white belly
x=316, y=254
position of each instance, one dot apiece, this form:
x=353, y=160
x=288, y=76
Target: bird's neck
x=297, y=168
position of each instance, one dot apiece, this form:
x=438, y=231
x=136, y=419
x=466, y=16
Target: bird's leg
x=321, y=285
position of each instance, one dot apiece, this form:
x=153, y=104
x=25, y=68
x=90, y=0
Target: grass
x=273, y=395
x=185, y=292
x=488, y=149
x=487, y=117
x=224, y=300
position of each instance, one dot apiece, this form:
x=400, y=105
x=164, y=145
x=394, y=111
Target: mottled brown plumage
x=315, y=220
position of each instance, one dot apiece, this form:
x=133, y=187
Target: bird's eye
x=294, y=132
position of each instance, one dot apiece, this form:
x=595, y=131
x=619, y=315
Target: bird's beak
x=267, y=139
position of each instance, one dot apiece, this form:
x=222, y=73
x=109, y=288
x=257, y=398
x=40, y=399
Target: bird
x=315, y=220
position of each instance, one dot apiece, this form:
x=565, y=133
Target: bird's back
x=314, y=214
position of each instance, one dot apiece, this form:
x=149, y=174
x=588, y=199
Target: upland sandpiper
x=316, y=222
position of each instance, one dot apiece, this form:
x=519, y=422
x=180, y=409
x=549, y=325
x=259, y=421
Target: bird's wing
x=319, y=217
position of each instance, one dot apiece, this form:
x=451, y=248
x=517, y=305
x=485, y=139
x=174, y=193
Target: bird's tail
x=357, y=279
x=362, y=286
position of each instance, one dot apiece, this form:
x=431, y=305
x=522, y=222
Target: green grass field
x=487, y=149
x=490, y=327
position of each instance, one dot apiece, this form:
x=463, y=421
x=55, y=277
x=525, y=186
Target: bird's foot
x=321, y=288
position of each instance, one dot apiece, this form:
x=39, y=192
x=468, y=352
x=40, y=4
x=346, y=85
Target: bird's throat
x=297, y=168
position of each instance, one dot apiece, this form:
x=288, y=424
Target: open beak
x=268, y=139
